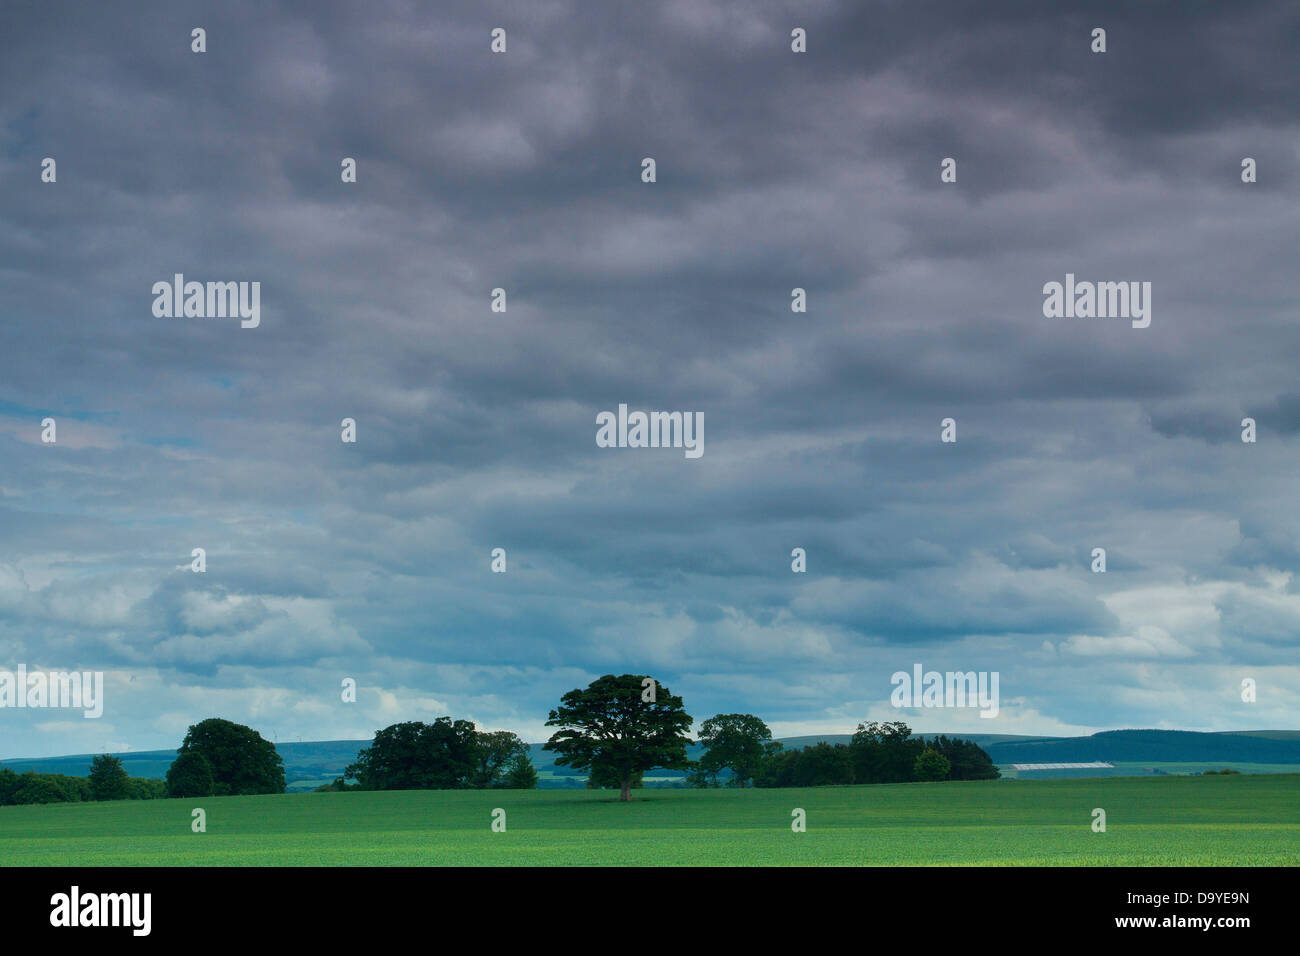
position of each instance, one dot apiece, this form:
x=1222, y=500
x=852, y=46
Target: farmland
x=1232, y=820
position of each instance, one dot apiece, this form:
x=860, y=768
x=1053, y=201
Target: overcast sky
x=476, y=430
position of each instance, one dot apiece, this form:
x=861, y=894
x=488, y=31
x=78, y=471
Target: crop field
x=1236, y=821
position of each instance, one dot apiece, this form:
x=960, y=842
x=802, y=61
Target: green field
x=1243, y=820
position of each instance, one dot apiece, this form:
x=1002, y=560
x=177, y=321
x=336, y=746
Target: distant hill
x=308, y=764
x=1272, y=734
x=1280, y=747
x=983, y=740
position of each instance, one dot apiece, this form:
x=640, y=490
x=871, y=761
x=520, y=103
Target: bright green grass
x=1244, y=820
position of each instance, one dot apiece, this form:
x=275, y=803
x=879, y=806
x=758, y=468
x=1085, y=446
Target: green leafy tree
x=610, y=728
x=734, y=742
x=190, y=775
x=607, y=778
x=146, y=788
x=108, y=778
x=884, y=753
x=52, y=788
x=696, y=776
x=443, y=755
x=243, y=761
x=823, y=765
x=9, y=784
x=968, y=760
x=496, y=751
x=931, y=765
x=520, y=773
x=776, y=769
x=41, y=788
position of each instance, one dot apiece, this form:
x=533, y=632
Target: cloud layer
x=476, y=429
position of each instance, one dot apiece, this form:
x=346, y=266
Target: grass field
x=1243, y=820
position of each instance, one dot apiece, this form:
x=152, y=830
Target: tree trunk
x=626, y=793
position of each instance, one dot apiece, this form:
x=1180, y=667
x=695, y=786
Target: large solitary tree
x=618, y=726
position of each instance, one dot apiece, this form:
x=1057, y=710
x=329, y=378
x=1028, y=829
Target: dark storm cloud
x=476, y=429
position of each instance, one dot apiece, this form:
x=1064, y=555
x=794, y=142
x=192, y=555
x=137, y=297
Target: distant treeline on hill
x=309, y=764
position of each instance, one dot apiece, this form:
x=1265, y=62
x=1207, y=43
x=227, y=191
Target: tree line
x=444, y=755
x=108, y=780
x=741, y=746
x=615, y=729
x=620, y=727
x=217, y=758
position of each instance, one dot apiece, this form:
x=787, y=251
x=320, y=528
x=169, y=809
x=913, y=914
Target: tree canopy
x=884, y=753
x=734, y=742
x=520, y=773
x=444, y=755
x=619, y=726
x=498, y=751
x=242, y=760
x=108, y=778
x=878, y=753
x=931, y=765
x=414, y=755
x=190, y=775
